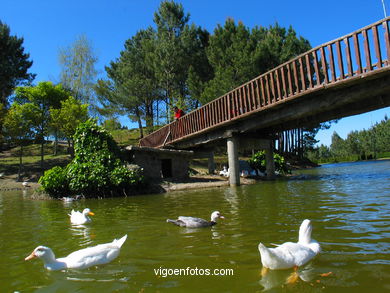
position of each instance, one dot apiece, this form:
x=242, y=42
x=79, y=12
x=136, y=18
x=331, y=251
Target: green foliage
x=132, y=85
x=125, y=137
x=90, y=139
x=257, y=162
x=55, y=182
x=359, y=145
x=18, y=126
x=96, y=170
x=44, y=96
x=159, y=67
x=238, y=54
x=177, y=63
x=14, y=63
x=19, y=121
x=78, y=71
x=112, y=124
x=69, y=116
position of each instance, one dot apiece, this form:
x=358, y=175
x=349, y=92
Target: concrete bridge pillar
x=269, y=159
x=234, y=168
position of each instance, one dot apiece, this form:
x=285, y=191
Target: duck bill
x=91, y=214
x=221, y=217
x=31, y=256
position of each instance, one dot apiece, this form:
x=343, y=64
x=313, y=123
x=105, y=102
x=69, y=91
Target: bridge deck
x=346, y=76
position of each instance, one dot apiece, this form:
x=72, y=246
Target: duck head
x=42, y=252
x=215, y=215
x=87, y=212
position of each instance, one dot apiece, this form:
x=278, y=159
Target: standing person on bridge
x=178, y=113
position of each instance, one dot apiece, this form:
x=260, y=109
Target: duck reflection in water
x=278, y=279
x=82, y=232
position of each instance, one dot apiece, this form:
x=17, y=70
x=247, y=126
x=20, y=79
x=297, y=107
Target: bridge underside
x=345, y=98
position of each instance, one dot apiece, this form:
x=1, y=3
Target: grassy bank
x=31, y=161
x=353, y=158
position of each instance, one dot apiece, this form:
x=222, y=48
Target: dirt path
x=194, y=182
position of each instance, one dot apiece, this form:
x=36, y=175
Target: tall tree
x=43, y=96
x=68, y=117
x=132, y=86
x=338, y=146
x=230, y=53
x=170, y=61
x=78, y=73
x=18, y=126
x=238, y=54
x=14, y=63
x=200, y=71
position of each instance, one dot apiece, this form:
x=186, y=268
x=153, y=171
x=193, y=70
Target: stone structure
x=160, y=163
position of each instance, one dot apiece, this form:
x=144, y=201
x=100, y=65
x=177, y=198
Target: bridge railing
x=353, y=55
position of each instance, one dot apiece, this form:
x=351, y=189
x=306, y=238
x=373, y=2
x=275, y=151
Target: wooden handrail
x=310, y=70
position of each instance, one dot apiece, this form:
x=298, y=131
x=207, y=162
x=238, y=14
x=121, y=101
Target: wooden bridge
x=344, y=77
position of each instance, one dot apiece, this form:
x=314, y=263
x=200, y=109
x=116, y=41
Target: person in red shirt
x=178, y=113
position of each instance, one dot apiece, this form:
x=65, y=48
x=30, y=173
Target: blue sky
x=48, y=25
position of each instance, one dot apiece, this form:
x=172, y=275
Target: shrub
x=96, y=170
x=257, y=162
x=55, y=182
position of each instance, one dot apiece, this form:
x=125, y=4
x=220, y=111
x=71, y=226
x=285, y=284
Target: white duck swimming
x=291, y=255
x=80, y=218
x=80, y=259
x=192, y=222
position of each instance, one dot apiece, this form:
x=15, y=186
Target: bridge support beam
x=234, y=168
x=269, y=159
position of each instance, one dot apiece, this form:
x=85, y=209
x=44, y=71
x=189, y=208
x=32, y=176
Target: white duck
x=224, y=172
x=80, y=218
x=70, y=198
x=291, y=255
x=80, y=259
x=192, y=222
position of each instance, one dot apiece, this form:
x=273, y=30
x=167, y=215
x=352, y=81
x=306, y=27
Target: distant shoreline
x=9, y=183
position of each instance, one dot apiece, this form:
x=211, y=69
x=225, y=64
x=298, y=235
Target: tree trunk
x=149, y=118
x=141, y=131
x=20, y=161
x=55, y=143
x=167, y=104
x=42, y=153
x=71, y=148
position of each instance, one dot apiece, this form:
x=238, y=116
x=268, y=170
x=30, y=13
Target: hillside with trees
x=367, y=144
x=173, y=62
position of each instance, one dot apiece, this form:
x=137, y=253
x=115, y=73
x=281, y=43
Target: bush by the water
x=257, y=162
x=95, y=171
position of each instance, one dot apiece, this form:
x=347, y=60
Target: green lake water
x=348, y=203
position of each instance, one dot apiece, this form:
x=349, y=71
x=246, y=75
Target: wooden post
x=269, y=160
x=234, y=168
x=211, y=164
